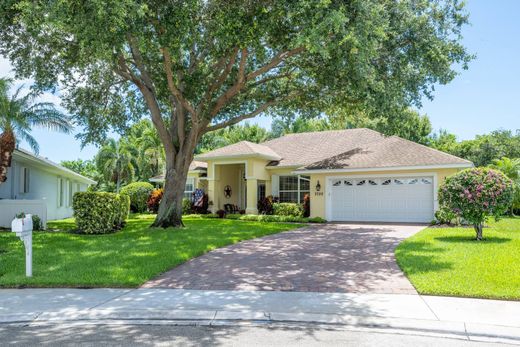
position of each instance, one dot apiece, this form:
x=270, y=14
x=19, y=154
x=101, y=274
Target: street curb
x=433, y=328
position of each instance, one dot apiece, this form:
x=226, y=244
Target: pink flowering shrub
x=476, y=194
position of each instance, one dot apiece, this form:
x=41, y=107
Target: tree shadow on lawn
x=471, y=239
x=418, y=257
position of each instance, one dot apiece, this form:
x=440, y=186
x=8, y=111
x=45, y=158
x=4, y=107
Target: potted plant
x=22, y=223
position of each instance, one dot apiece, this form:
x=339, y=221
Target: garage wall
x=318, y=198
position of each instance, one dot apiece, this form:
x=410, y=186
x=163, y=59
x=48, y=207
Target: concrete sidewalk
x=476, y=319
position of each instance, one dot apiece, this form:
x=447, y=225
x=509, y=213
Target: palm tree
x=510, y=168
x=18, y=115
x=151, y=151
x=116, y=162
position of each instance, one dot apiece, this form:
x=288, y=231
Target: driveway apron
x=345, y=258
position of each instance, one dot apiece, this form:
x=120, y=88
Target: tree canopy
x=198, y=66
x=483, y=149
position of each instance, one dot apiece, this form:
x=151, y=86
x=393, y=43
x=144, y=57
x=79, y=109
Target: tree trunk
x=478, y=230
x=118, y=183
x=170, y=208
x=7, y=146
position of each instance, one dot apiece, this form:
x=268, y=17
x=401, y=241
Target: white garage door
x=381, y=199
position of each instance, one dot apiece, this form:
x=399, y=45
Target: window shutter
x=275, y=185
x=28, y=181
x=58, y=190
x=22, y=180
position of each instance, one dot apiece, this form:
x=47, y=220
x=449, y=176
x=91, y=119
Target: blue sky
x=484, y=98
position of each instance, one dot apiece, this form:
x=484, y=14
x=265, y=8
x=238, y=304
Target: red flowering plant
x=154, y=200
x=477, y=194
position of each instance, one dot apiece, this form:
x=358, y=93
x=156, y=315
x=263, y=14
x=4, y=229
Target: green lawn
x=127, y=258
x=448, y=261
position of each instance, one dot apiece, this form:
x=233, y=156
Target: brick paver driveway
x=318, y=258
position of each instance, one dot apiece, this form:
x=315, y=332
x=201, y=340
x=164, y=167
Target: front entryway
x=343, y=258
x=381, y=199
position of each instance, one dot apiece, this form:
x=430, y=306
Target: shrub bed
x=287, y=209
x=99, y=212
x=269, y=218
x=139, y=192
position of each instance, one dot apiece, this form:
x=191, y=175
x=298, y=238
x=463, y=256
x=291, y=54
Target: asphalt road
x=167, y=335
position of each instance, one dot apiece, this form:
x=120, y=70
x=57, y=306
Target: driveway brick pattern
x=345, y=258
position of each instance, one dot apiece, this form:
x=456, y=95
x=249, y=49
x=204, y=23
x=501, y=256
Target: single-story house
x=350, y=175
x=38, y=186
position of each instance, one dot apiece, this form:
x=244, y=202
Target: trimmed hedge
x=287, y=209
x=122, y=212
x=99, y=212
x=186, y=206
x=139, y=192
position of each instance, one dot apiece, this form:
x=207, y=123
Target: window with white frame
x=24, y=180
x=294, y=188
x=189, y=188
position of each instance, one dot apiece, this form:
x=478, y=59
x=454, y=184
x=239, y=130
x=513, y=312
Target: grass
x=127, y=258
x=448, y=261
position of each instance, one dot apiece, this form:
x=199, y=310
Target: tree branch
x=148, y=94
x=235, y=89
x=238, y=119
x=171, y=84
x=221, y=79
x=243, y=79
x=280, y=57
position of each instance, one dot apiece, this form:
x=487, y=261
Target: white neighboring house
x=38, y=186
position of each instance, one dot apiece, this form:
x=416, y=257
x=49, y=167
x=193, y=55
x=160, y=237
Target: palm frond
x=31, y=141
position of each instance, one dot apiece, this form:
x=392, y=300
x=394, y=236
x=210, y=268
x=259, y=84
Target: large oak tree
x=196, y=66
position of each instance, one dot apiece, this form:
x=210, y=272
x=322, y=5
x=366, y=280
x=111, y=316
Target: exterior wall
x=43, y=186
x=225, y=172
x=318, y=199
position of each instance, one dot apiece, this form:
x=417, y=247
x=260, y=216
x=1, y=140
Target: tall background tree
x=19, y=114
x=510, y=168
x=483, y=149
x=116, y=161
x=198, y=66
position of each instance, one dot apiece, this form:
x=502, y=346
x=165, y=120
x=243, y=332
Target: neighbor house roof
x=241, y=149
x=194, y=167
x=23, y=155
x=340, y=150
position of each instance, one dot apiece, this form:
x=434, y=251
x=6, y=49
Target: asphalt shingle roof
x=242, y=148
x=340, y=149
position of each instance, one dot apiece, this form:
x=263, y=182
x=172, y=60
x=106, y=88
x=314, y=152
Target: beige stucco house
x=350, y=175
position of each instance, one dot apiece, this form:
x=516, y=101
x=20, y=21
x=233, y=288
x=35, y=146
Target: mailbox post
x=23, y=228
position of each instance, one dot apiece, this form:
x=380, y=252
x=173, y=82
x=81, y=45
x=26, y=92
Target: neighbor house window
x=71, y=193
x=61, y=192
x=294, y=188
x=189, y=188
x=24, y=180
